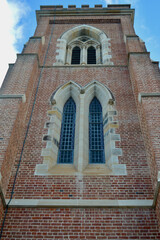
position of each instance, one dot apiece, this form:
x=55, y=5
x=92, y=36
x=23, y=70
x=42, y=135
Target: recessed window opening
x=76, y=55
x=66, y=146
x=91, y=55
x=96, y=138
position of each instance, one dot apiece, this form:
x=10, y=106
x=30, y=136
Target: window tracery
x=83, y=50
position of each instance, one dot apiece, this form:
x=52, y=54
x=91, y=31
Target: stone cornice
x=84, y=21
x=85, y=12
x=85, y=66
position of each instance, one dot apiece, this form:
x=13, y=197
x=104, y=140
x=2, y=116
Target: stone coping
x=73, y=203
x=13, y=96
x=153, y=94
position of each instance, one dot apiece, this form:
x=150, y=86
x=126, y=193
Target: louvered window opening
x=91, y=55
x=96, y=138
x=66, y=147
x=76, y=55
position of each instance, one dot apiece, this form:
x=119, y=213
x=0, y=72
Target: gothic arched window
x=91, y=55
x=96, y=138
x=66, y=146
x=76, y=55
x=77, y=139
x=83, y=37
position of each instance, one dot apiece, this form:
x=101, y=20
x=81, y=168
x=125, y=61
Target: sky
x=18, y=23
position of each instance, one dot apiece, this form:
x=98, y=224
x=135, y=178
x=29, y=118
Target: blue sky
x=18, y=22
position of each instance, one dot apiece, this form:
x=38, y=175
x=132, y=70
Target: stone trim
x=42, y=38
x=2, y=195
x=84, y=66
x=157, y=190
x=130, y=36
x=14, y=96
x=73, y=203
x=138, y=53
x=85, y=21
x=141, y=95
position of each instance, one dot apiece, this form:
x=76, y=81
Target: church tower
x=80, y=130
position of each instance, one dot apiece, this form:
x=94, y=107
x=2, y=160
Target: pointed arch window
x=81, y=132
x=96, y=138
x=91, y=55
x=76, y=55
x=66, y=147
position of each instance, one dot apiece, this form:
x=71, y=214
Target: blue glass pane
x=96, y=139
x=66, y=147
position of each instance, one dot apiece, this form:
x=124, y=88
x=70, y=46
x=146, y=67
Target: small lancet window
x=66, y=146
x=76, y=55
x=96, y=138
x=91, y=55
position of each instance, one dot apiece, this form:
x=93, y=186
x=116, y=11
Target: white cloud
x=133, y=2
x=11, y=13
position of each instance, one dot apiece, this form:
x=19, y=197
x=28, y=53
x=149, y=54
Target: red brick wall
x=81, y=224
x=145, y=79
x=14, y=113
x=117, y=79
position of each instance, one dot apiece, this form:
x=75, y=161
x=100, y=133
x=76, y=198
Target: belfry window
x=88, y=44
x=91, y=55
x=96, y=138
x=76, y=55
x=83, y=50
x=66, y=147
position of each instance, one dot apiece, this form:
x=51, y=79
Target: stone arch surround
x=82, y=97
x=78, y=31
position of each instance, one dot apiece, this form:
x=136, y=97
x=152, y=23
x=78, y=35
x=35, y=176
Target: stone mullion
x=68, y=55
x=98, y=55
x=83, y=55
